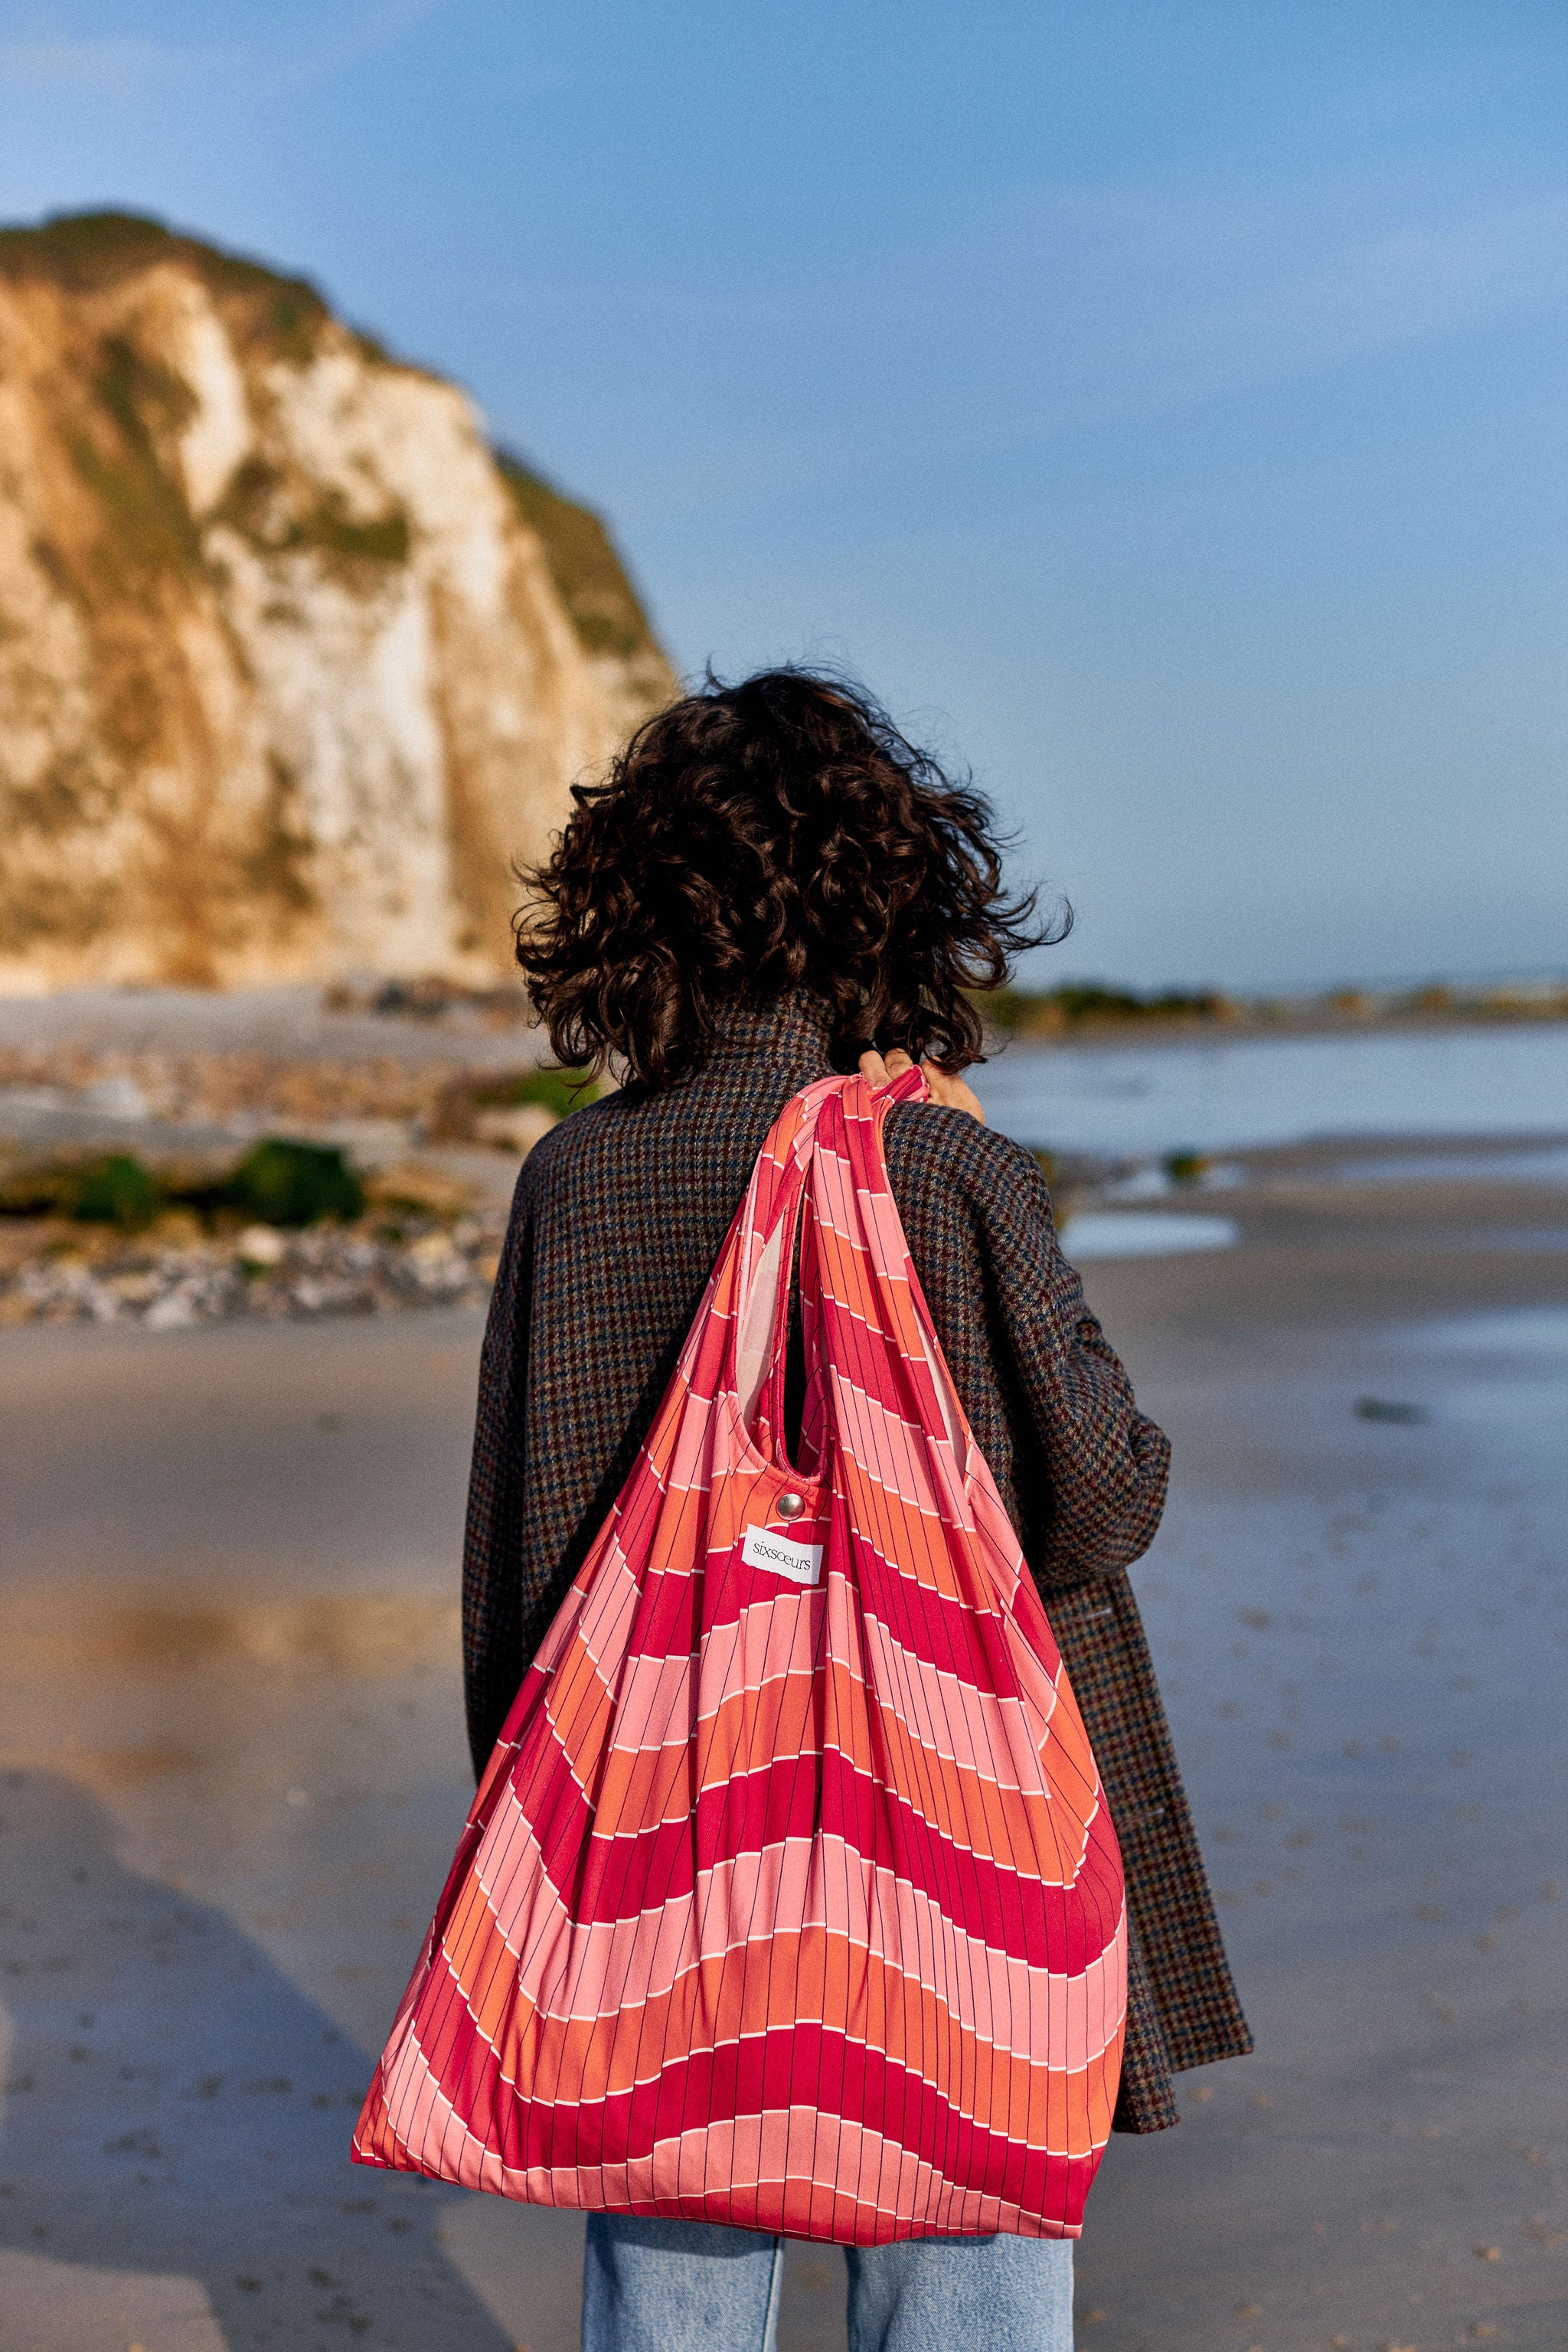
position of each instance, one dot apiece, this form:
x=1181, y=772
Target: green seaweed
x=115, y=1191
x=560, y=1091
x=284, y=1184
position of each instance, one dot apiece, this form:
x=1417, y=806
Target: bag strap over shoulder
x=777, y=1208
x=799, y=1263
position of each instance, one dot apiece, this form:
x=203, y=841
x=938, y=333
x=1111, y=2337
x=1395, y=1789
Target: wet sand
x=234, y=1772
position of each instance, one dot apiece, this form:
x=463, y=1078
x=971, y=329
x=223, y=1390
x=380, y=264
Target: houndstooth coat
x=619, y=1214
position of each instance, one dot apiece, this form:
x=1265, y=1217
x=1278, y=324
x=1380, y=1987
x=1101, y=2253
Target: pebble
x=262, y=1275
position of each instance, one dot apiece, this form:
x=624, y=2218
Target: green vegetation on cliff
x=120, y=447
x=149, y=525
x=282, y=319
x=85, y=251
x=256, y=505
x=259, y=700
x=586, y=570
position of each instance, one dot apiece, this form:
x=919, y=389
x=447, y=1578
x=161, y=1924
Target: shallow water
x=1531, y=1332
x=1142, y=1233
x=1135, y=1100
x=1546, y=1165
x=1512, y=1368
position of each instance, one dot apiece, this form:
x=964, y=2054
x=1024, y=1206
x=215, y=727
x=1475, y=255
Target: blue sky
x=1162, y=408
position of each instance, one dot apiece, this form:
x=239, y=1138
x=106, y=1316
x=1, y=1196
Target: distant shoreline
x=427, y=1023
x=1155, y=1029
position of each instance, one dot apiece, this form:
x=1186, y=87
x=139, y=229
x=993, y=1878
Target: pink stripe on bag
x=788, y=1904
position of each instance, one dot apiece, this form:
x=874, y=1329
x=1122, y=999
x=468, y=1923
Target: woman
x=772, y=885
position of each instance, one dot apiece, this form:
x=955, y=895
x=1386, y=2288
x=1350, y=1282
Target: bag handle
x=800, y=1248
x=796, y=1213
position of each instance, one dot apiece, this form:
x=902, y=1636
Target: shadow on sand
x=175, y=2109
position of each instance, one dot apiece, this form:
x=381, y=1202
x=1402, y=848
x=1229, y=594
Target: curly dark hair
x=775, y=834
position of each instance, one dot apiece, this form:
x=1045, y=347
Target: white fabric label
x=782, y=1556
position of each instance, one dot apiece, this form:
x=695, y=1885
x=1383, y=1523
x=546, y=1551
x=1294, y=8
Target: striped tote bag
x=789, y=1898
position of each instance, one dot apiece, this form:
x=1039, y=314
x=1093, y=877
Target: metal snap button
x=790, y=1506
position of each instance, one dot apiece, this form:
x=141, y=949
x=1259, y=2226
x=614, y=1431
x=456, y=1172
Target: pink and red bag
x=789, y=1898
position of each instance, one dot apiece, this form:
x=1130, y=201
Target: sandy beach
x=234, y=1770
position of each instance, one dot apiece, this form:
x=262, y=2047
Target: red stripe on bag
x=793, y=1905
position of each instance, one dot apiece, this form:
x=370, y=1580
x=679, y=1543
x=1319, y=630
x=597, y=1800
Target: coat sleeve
x=492, y=1566
x=1093, y=1482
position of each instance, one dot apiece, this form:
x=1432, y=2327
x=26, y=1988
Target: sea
x=1141, y=1102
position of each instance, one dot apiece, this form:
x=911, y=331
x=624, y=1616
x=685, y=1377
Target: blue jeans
x=693, y=2286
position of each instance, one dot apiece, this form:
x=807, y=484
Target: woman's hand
x=952, y=1093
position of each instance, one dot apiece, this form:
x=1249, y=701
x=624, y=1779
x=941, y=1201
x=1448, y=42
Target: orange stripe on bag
x=789, y=1898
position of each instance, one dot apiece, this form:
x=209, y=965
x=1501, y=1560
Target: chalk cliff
x=292, y=666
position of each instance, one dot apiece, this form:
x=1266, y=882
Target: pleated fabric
x=789, y=1898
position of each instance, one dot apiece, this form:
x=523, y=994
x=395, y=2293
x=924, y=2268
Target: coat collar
x=791, y=1034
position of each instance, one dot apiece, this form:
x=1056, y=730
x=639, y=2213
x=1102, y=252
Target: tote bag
x=789, y=1898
